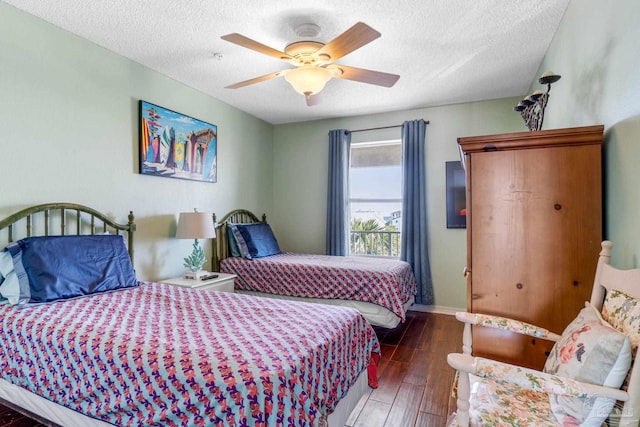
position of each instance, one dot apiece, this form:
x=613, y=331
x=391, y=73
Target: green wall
x=300, y=179
x=69, y=133
x=68, y=116
x=596, y=52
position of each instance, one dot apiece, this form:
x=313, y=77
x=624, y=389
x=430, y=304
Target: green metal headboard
x=221, y=242
x=59, y=219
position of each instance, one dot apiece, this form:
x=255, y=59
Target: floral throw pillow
x=591, y=351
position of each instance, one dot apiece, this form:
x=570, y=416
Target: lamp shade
x=195, y=225
x=308, y=80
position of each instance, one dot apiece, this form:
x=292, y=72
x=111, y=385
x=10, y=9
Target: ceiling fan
x=314, y=61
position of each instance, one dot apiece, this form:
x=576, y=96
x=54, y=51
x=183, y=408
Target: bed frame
x=73, y=219
x=59, y=219
x=67, y=219
x=221, y=242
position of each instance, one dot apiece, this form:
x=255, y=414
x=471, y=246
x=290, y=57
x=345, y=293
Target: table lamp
x=195, y=225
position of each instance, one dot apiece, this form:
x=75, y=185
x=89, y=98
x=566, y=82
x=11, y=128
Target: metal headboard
x=221, y=242
x=59, y=219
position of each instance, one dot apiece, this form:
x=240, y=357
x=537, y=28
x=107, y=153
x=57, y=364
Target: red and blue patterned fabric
x=382, y=281
x=159, y=355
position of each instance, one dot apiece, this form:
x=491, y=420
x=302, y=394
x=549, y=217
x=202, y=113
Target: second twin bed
x=382, y=289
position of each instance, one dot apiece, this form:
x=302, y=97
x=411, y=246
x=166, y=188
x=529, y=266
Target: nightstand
x=224, y=282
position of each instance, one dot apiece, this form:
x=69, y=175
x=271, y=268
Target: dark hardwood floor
x=414, y=378
x=12, y=418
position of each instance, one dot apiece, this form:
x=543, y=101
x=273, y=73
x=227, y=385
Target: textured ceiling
x=445, y=51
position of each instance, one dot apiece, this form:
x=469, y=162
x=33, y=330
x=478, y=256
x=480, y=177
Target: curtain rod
x=426, y=122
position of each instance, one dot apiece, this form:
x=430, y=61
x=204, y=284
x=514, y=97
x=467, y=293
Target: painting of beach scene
x=177, y=146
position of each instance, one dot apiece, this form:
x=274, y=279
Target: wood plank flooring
x=9, y=417
x=414, y=378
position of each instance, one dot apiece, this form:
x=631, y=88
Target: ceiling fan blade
x=254, y=80
x=365, y=76
x=355, y=37
x=243, y=41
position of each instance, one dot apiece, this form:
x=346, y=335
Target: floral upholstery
x=502, y=373
x=508, y=395
x=511, y=325
x=494, y=404
x=623, y=313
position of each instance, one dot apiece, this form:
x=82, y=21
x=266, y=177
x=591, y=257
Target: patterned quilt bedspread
x=168, y=356
x=386, y=282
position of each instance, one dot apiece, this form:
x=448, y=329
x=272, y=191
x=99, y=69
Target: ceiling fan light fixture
x=315, y=60
x=308, y=80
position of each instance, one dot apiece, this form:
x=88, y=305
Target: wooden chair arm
x=530, y=378
x=507, y=324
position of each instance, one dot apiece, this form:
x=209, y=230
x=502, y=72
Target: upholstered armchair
x=589, y=378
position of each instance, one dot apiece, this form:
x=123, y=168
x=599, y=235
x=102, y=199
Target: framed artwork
x=456, y=195
x=173, y=145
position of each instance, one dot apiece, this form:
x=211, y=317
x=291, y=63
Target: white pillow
x=9, y=284
x=242, y=244
x=591, y=351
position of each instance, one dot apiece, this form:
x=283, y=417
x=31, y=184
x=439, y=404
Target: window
x=375, y=198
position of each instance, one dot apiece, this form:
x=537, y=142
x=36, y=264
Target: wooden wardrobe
x=534, y=227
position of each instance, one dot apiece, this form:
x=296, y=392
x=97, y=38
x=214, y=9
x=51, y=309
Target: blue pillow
x=259, y=239
x=51, y=268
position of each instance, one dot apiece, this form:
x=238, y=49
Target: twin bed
x=83, y=343
x=381, y=289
